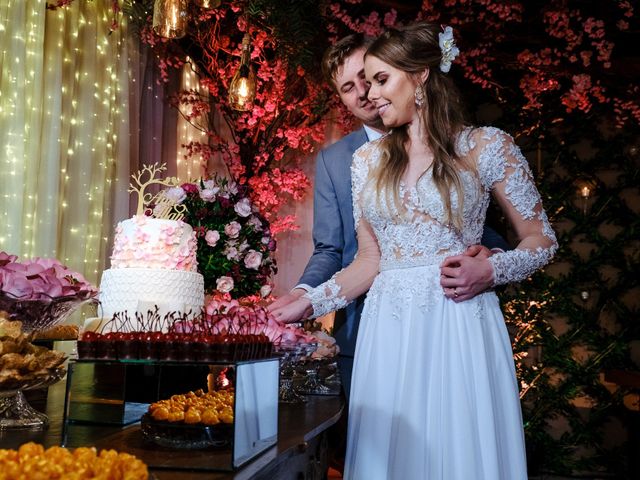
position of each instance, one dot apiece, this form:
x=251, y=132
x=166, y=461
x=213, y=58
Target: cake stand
x=15, y=411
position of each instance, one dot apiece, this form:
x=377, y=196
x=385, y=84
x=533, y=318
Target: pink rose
x=253, y=259
x=243, y=207
x=231, y=252
x=176, y=194
x=212, y=237
x=255, y=223
x=208, y=195
x=265, y=290
x=224, y=284
x=232, y=229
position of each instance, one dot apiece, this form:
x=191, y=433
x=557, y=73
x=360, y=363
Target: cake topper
x=163, y=206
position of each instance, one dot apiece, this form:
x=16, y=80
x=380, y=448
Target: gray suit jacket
x=334, y=237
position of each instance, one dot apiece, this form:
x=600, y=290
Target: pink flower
x=231, y=252
x=265, y=290
x=6, y=258
x=212, y=237
x=224, y=284
x=208, y=195
x=177, y=194
x=243, y=207
x=253, y=259
x=232, y=229
x=255, y=223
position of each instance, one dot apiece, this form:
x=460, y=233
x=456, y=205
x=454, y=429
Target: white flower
x=253, y=259
x=176, y=194
x=448, y=48
x=232, y=229
x=211, y=185
x=224, y=284
x=212, y=237
x=243, y=207
x=208, y=194
x=265, y=290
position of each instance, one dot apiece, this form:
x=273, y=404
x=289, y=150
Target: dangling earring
x=419, y=94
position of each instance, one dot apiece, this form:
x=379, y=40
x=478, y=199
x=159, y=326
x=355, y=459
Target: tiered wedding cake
x=153, y=264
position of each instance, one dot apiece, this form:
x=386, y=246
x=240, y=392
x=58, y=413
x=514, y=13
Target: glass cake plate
x=184, y=436
x=15, y=411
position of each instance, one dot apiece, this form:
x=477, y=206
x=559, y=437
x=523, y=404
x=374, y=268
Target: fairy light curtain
x=64, y=122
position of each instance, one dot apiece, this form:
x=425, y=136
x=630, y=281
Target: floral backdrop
x=561, y=76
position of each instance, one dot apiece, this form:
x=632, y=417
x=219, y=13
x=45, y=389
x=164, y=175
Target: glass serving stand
x=40, y=314
x=291, y=355
x=15, y=411
x=321, y=377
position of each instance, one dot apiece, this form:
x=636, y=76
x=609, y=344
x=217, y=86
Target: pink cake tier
x=146, y=242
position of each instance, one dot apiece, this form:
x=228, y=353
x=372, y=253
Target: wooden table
x=301, y=451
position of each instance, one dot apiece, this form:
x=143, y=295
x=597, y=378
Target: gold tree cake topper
x=162, y=205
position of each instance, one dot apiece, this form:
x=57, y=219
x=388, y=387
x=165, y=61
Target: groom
x=334, y=237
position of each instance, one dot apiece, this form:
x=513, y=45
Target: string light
x=191, y=168
x=242, y=90
x=61, y=105
x=170, y=18
x=207, y=3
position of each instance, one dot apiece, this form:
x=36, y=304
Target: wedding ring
x=455, y=292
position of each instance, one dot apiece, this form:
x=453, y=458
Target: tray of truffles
x=31, y=460
x=195, y=420
x=172, y=338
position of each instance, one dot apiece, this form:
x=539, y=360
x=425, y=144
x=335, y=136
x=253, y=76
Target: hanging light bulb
x=207, y=3
x=170, y=18
x=242, y=90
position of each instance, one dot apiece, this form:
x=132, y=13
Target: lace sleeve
x=354, y=280
x=359, y=175
x=504, y=170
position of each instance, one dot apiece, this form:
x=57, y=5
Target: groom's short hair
x=335, y=56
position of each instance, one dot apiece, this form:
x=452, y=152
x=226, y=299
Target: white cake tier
x=146, y=242
x=141, y=289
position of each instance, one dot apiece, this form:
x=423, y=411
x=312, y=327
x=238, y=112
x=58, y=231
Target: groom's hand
x=464, y=276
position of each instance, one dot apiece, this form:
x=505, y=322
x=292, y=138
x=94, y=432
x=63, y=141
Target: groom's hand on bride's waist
x=464, y=276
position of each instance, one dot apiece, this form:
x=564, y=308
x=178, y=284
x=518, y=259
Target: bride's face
x=392, y=91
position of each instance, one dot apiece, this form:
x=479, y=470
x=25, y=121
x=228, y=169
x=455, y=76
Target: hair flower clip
x=448, y=49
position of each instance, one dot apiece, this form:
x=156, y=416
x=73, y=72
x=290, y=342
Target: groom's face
x=353, y=89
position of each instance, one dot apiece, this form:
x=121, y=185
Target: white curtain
x=64, y=130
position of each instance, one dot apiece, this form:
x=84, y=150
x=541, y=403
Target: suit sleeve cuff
x=303, y=286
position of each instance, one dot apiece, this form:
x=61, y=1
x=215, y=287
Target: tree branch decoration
x=163, y=206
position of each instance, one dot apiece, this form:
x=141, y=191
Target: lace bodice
x=417, y=234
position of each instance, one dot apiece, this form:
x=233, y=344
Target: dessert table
x=301, y=451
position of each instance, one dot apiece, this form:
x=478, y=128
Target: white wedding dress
x=434, y=393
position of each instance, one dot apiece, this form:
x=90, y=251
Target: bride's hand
x=293, y=311
x=463, y=277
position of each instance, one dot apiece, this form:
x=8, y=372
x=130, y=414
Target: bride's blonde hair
x=413, y=49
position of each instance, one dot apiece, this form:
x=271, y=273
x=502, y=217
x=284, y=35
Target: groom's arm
x=328, y=238
x=492, y=239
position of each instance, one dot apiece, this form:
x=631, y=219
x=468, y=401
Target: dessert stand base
x=15, y=412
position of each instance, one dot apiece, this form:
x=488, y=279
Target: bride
x=434, y=393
